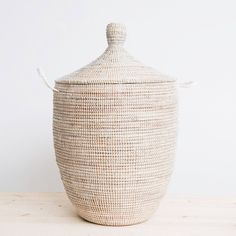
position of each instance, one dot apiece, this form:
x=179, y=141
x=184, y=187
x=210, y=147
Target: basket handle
x=187, y=84
x=44, y=78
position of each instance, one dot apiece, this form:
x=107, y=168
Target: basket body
x=115, y=147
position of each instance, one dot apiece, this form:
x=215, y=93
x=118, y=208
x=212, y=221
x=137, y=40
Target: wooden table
x=52, y=214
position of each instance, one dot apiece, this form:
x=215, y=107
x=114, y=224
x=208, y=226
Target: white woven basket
x=114, y=131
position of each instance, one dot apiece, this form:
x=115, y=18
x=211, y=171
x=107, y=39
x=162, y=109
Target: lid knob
x=116, y=34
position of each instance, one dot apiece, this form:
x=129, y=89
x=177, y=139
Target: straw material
x=114, y=131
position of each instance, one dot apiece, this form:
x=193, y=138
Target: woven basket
x=114, y=131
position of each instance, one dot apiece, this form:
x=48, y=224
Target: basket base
x=113, y=221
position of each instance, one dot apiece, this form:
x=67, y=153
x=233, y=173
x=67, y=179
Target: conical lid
x=115, y=65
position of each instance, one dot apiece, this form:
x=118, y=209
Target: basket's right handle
x=187, y=84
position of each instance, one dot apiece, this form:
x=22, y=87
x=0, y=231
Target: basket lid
x=115, y=65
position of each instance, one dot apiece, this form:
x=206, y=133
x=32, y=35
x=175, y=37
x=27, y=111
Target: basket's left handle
x=44, y=78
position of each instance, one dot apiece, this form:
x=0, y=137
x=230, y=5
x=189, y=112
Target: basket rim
x=113, y=82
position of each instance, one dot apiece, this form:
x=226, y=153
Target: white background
x=191, y=40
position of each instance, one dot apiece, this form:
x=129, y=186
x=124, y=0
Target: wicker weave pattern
x=115, y=142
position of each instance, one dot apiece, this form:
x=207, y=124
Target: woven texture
x=114, y=131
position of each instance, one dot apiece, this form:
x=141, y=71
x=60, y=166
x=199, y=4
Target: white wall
x=192, y=40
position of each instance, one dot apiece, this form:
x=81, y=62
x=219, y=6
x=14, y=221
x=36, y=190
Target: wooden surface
x=52, y=214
